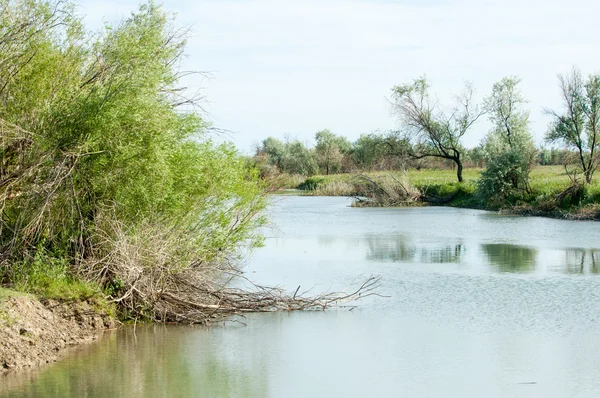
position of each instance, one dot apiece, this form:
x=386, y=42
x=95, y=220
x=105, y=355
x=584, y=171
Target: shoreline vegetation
x=116, y=203
x=113, y=196
x=426, y=161
x=551, y=193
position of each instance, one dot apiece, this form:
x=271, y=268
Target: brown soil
x=32, y=333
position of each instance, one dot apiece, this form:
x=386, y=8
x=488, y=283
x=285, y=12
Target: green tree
x=509, y=147
x=432, y=132
x=299, y=159
x=103, y=165
x=275, y=151
x=330, y=150
x=578, y=127
x=369, y=150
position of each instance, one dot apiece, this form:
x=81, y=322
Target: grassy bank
x=546, y=196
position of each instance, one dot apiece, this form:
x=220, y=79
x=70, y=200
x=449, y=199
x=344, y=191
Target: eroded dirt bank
x=32, y=333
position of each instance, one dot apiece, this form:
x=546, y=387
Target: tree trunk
x=588, y=176
x=459, y=170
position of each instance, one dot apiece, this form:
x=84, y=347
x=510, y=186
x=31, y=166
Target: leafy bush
x=311, y=183
x=99, y=146
x=50, y=278
x=506, y=175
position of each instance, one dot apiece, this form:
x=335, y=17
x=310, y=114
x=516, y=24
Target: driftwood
x=203, y=303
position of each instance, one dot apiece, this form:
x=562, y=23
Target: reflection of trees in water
x=447, y=254
x=399, y=248
x=511, y=258
x=326, y=241
x=580, y=261
x=390, y=248
x=155, y=362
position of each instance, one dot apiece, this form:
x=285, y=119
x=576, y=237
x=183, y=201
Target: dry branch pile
x=189, y=302
x=145, y=273
x=387, y=190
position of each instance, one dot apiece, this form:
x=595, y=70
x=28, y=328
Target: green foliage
x=330, y=151
x=433, y=132
x=578, y=128
x=381, y=150
x=300, y=160
x=509, y=148
x=291, y=157
x=312, y=183
x=505, y=107
x=368, y=150
x=556, y=156
x=506, y=175
x=275, y=151
x=49, y=277
x=100, y=146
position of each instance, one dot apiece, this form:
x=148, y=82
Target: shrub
x=98, y=147
x=311, y=183
x=506, y=175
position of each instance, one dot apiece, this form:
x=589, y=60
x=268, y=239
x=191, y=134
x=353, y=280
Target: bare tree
x=433, y=132
x=578, y=127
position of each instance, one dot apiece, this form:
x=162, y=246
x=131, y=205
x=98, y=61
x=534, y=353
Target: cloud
x=300, y=66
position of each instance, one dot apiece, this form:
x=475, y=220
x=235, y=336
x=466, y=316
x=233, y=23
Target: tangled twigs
x=387, y=190
x=147, y=278
x=204, y=303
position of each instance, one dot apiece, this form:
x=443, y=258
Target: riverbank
x=33, y=333
x=548, y=195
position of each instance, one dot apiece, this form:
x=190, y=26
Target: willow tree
x=578, y=125
x=105, y=164
x=509, y=148
x=432, y=131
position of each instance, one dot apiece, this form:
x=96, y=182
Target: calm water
x=481, y=305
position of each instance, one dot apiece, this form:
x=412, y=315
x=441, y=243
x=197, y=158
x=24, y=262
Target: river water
x=480, y=305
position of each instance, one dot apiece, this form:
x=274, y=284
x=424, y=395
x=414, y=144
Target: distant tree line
x=430, y=136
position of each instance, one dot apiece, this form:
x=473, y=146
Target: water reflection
x=157, y=361
x=447, y=254
x=401, y=249
x=511, y=258
x=469, y=253
x=448, y=330
x=390, y=248
x=581, y=261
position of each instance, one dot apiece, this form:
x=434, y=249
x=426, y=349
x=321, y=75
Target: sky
x=288, y=68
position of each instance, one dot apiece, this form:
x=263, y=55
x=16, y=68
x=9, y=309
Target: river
x=479, y=305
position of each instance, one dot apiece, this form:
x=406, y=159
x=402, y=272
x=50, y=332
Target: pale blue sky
x=297, y=67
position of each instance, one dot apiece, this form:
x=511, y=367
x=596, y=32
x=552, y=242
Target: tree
x=275, y=150
x=330, y=150
x=370, y=151
x=509, y=147
x=299, y=159
x=106, y=171
x=432, y=132
x=578, y=127
x=505, y=110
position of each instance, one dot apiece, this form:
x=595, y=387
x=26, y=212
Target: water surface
x=479, y=305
